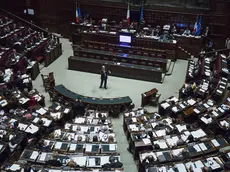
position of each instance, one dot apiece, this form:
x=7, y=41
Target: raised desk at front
x=125, y=70
x=110, y=102
x=170, y=48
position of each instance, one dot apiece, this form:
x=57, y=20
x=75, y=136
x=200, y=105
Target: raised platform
x=125, y=70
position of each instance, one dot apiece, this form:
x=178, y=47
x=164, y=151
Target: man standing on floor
x=104, y=77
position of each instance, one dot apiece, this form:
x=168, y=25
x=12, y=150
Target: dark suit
x=104, y=77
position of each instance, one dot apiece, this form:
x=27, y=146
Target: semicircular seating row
x=189, y=133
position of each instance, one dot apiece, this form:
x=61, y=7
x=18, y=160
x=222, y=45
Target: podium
x=146, y=98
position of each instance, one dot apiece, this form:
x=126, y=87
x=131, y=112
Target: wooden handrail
x=219, y=51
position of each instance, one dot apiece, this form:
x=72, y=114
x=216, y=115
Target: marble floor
x=88, y=84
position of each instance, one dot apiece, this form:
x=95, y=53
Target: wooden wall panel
x=58, y=14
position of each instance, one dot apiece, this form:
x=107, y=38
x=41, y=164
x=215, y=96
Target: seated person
x=54, y=162
x=157, y=31
x=148, y=160
x=30, y=169
x=206, y=169
x=174, y=30
x=187, y=32
x=13, y=144
x=1, y=77
x=113, y=163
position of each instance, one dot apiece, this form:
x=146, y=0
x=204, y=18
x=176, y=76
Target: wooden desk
x=150, y=52
x=122, y=57
x=139, y=72
x=145, y=97
x=34, y=71
x=69, y=95
x=53, y=54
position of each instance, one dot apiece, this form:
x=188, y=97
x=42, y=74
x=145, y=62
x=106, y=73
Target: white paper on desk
x=175, y=109
x=104, y=160
x=46, y=122
x=80, y=160
x=181, y=127
x=219, y=91
x=228, y=154
x=74, y=127
x=34, y=155
x=88, y=148
x=23, y=100
x=181, y=168
x=15, y=167
x=203, y=147
x=66, y=110
x=206, y=106
x=160, y=133
x=146, y=141
x=35, y=120
x=222, y=123
x=215, y=143
x=73, y=147
x=177, y=152
x=96, y=170
x=79, y=120
x=58, y=107
x=58, y=145
x=24, y=76
x=162, y=144
x=199, y=164
x=196, y=111
x=222, y=87
x=26, y=81
x=181, y=105
x=3, y=103
x=92, y=162
x=174, y=99
x=205, y=120
x=198, y=133
x=112, y=147
x=165, y=105
x=22, y=126
x=56, y=115
x=84, y=129
x=154, y=124
x=191, y=102
x=41, y=111
x=197, y=148
x=215, y=113
x=221, y=110
x=134, y=120
x=43, y=156
x=32, y=129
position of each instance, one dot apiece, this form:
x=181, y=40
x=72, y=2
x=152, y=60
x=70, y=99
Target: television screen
x=125, y=39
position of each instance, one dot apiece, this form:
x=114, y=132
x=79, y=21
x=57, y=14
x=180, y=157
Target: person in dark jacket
x=104, y=77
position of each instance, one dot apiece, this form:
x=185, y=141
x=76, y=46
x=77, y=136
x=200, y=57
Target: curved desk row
x=121, y=101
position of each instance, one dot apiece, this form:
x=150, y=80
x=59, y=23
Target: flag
x=198, y=31
x=79, y=12
x=141, y=14
x=77, y=18
x=128, y=15
x=195, y=25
